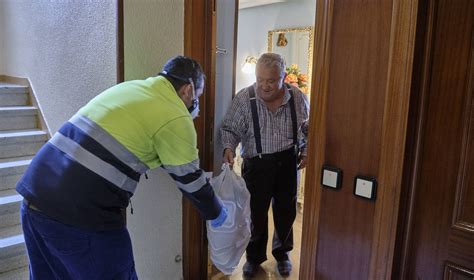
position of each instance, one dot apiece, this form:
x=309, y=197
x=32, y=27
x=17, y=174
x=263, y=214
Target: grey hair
x=272, y=60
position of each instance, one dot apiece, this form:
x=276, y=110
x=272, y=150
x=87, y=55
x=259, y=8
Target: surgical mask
x=194, y=108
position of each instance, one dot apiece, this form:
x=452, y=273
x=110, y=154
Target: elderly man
x=269, y=118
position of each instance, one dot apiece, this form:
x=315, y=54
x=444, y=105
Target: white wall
x=254, y=24
x=68, y=51
x=66, y=48
x=2, y=39
x=153, y=33
x=225, y=72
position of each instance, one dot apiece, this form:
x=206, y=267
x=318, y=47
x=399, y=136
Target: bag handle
x=224, y=168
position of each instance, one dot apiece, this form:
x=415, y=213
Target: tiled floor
x=268, y=269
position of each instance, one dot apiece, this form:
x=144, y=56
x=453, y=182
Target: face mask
x=194, y=108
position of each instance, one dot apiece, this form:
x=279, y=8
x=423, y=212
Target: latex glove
x=219, y=221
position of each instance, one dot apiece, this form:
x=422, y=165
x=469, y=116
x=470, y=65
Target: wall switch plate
x=365, y=187
x=331, y=177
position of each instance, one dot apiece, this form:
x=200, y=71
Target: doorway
x=365, y=56
x=242, y=35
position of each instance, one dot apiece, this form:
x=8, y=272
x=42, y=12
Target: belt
x=31, y=206
x=275, y=156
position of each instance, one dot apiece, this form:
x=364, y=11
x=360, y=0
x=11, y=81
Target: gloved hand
x=219, y=221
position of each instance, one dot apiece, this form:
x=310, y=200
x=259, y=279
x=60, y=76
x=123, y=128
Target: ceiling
x=253, y=3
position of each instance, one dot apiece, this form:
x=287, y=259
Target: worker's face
x=269, y=82
x=191, y=98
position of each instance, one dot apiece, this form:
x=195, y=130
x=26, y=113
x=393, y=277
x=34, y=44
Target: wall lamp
x=249, y=65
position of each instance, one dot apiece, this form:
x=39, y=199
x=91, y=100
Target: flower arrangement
x=295, y=78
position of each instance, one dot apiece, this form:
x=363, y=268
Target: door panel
x=442, y=236
x=453, y=272
x=353, y=133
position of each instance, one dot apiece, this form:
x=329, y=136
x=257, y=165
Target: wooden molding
x=462, y=185
x=317, y=132
x=419, y=88
x=120, y=42
x=397, y=98
x=199, y=42
x=453, y=272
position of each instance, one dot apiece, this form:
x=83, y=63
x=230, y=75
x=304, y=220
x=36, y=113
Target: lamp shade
x=249, y=65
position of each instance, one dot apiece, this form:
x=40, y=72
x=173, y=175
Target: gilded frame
x=309, y=29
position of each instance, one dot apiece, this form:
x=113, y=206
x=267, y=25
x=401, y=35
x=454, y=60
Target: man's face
x=269, y=82
x=192, y=94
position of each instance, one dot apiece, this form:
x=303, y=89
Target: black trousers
x=272, y=178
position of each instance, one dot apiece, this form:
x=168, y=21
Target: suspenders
x=256, y=124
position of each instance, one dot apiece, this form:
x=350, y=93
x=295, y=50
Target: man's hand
x=228, y=157
x=302, y=161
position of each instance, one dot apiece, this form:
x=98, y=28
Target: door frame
x=199, y=43
x=199, y=20
x=415, y=131
x=119, y=41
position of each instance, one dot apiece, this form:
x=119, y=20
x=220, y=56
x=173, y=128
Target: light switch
x=365, y=187
x=331, y=177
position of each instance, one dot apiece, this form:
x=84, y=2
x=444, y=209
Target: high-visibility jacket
x=86, y=173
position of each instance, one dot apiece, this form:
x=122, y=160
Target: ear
x=185, y=90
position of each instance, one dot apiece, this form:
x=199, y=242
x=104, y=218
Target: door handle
x=221, y=51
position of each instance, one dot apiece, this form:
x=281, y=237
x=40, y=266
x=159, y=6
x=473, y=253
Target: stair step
x=10, y=231
x=10, y=159
x=21, y=273
x=21, y=143
x=18, y=118
x=13, y=95
x=11, y=171
x=18, y=110
x=10, y=202
x=10, y=241
x=12, y=253
x=6, y=88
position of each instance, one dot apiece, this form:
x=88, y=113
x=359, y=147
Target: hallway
x=268, y=268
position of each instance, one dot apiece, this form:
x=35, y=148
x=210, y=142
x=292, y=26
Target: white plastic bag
x=228, y=242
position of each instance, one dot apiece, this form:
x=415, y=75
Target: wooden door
x=441, y=226
x=199, y=43
x=359, y=108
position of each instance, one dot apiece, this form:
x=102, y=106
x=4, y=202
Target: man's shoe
x=250, y=269
x=284, y=268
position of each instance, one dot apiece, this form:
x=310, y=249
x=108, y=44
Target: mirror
x=296, y=47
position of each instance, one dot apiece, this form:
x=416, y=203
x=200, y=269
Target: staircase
x=20, y=138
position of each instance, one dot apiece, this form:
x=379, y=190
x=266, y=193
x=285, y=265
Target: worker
x=79, y=184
